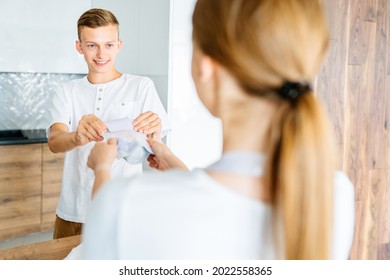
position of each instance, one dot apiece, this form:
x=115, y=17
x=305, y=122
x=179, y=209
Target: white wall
x=196, y=136
x=39, y=36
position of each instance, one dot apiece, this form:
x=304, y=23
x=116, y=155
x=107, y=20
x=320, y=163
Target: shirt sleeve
x=344, y=217
x=150, y=101
x=100, y=231
x=60, y=111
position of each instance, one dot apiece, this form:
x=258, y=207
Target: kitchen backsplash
x=25, y=98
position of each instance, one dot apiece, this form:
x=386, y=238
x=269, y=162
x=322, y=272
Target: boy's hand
x=148, y=123
x=90, y=128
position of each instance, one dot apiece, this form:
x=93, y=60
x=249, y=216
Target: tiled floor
x=26, y=239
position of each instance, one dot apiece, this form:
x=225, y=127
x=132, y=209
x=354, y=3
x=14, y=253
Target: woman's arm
x=163, y=158
x=100, y=160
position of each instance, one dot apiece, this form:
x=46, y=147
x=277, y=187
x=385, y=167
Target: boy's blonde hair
x=94, y=18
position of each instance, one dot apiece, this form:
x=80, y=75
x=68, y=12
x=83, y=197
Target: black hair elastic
x=291, y=91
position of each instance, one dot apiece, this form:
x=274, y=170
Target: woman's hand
x=100, y=160
x=102, y=155
x=163, y=158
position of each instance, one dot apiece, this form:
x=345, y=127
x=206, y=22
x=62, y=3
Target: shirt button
x=123, y=104
x=99, y=98
x=100, y=90
x=98, y=109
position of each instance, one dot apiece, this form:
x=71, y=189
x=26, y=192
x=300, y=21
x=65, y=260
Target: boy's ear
x=120, y=44
x=79, y=47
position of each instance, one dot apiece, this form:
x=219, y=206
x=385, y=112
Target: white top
x=188, y=215
x=127, y=96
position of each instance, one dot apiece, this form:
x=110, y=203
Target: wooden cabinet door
x=20, y=189
x=52, y=166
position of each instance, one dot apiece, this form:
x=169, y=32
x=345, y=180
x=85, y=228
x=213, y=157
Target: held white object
x=132, y=145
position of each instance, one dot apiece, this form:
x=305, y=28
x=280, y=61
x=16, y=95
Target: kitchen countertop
x=22, y=136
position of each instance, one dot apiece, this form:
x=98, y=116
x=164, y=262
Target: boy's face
x=99, y=47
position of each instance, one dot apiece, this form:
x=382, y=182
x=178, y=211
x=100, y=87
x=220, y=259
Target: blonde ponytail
x=301, y=172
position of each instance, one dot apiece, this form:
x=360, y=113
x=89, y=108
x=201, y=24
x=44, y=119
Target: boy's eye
x=90, y=46
x=110, y=45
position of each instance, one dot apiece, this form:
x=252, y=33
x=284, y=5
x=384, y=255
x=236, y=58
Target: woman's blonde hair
x=266, y=45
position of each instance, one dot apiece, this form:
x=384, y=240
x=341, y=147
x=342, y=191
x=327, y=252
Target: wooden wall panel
x=354, y=83
x=358, y=39
x=369, y=9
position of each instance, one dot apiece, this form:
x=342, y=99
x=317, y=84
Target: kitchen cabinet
x=30, y=182
x=52, y=165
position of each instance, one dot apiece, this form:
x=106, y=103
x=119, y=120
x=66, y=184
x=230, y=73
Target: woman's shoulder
x=343, y=185
x=344, y=216
x=193, y=185
x=168, y=177
x=154, y=180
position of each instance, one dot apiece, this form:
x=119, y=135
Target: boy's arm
x=60, y=139
x=90, y=128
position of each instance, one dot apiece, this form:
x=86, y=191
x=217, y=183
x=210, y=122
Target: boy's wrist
x=74, y=139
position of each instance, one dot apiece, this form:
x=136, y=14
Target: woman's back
x=183, y=215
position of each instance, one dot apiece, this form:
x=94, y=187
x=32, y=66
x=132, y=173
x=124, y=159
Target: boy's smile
x=100, y=47
x=101, y=63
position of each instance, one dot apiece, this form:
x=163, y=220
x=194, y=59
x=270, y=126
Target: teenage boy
x=80, y=108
